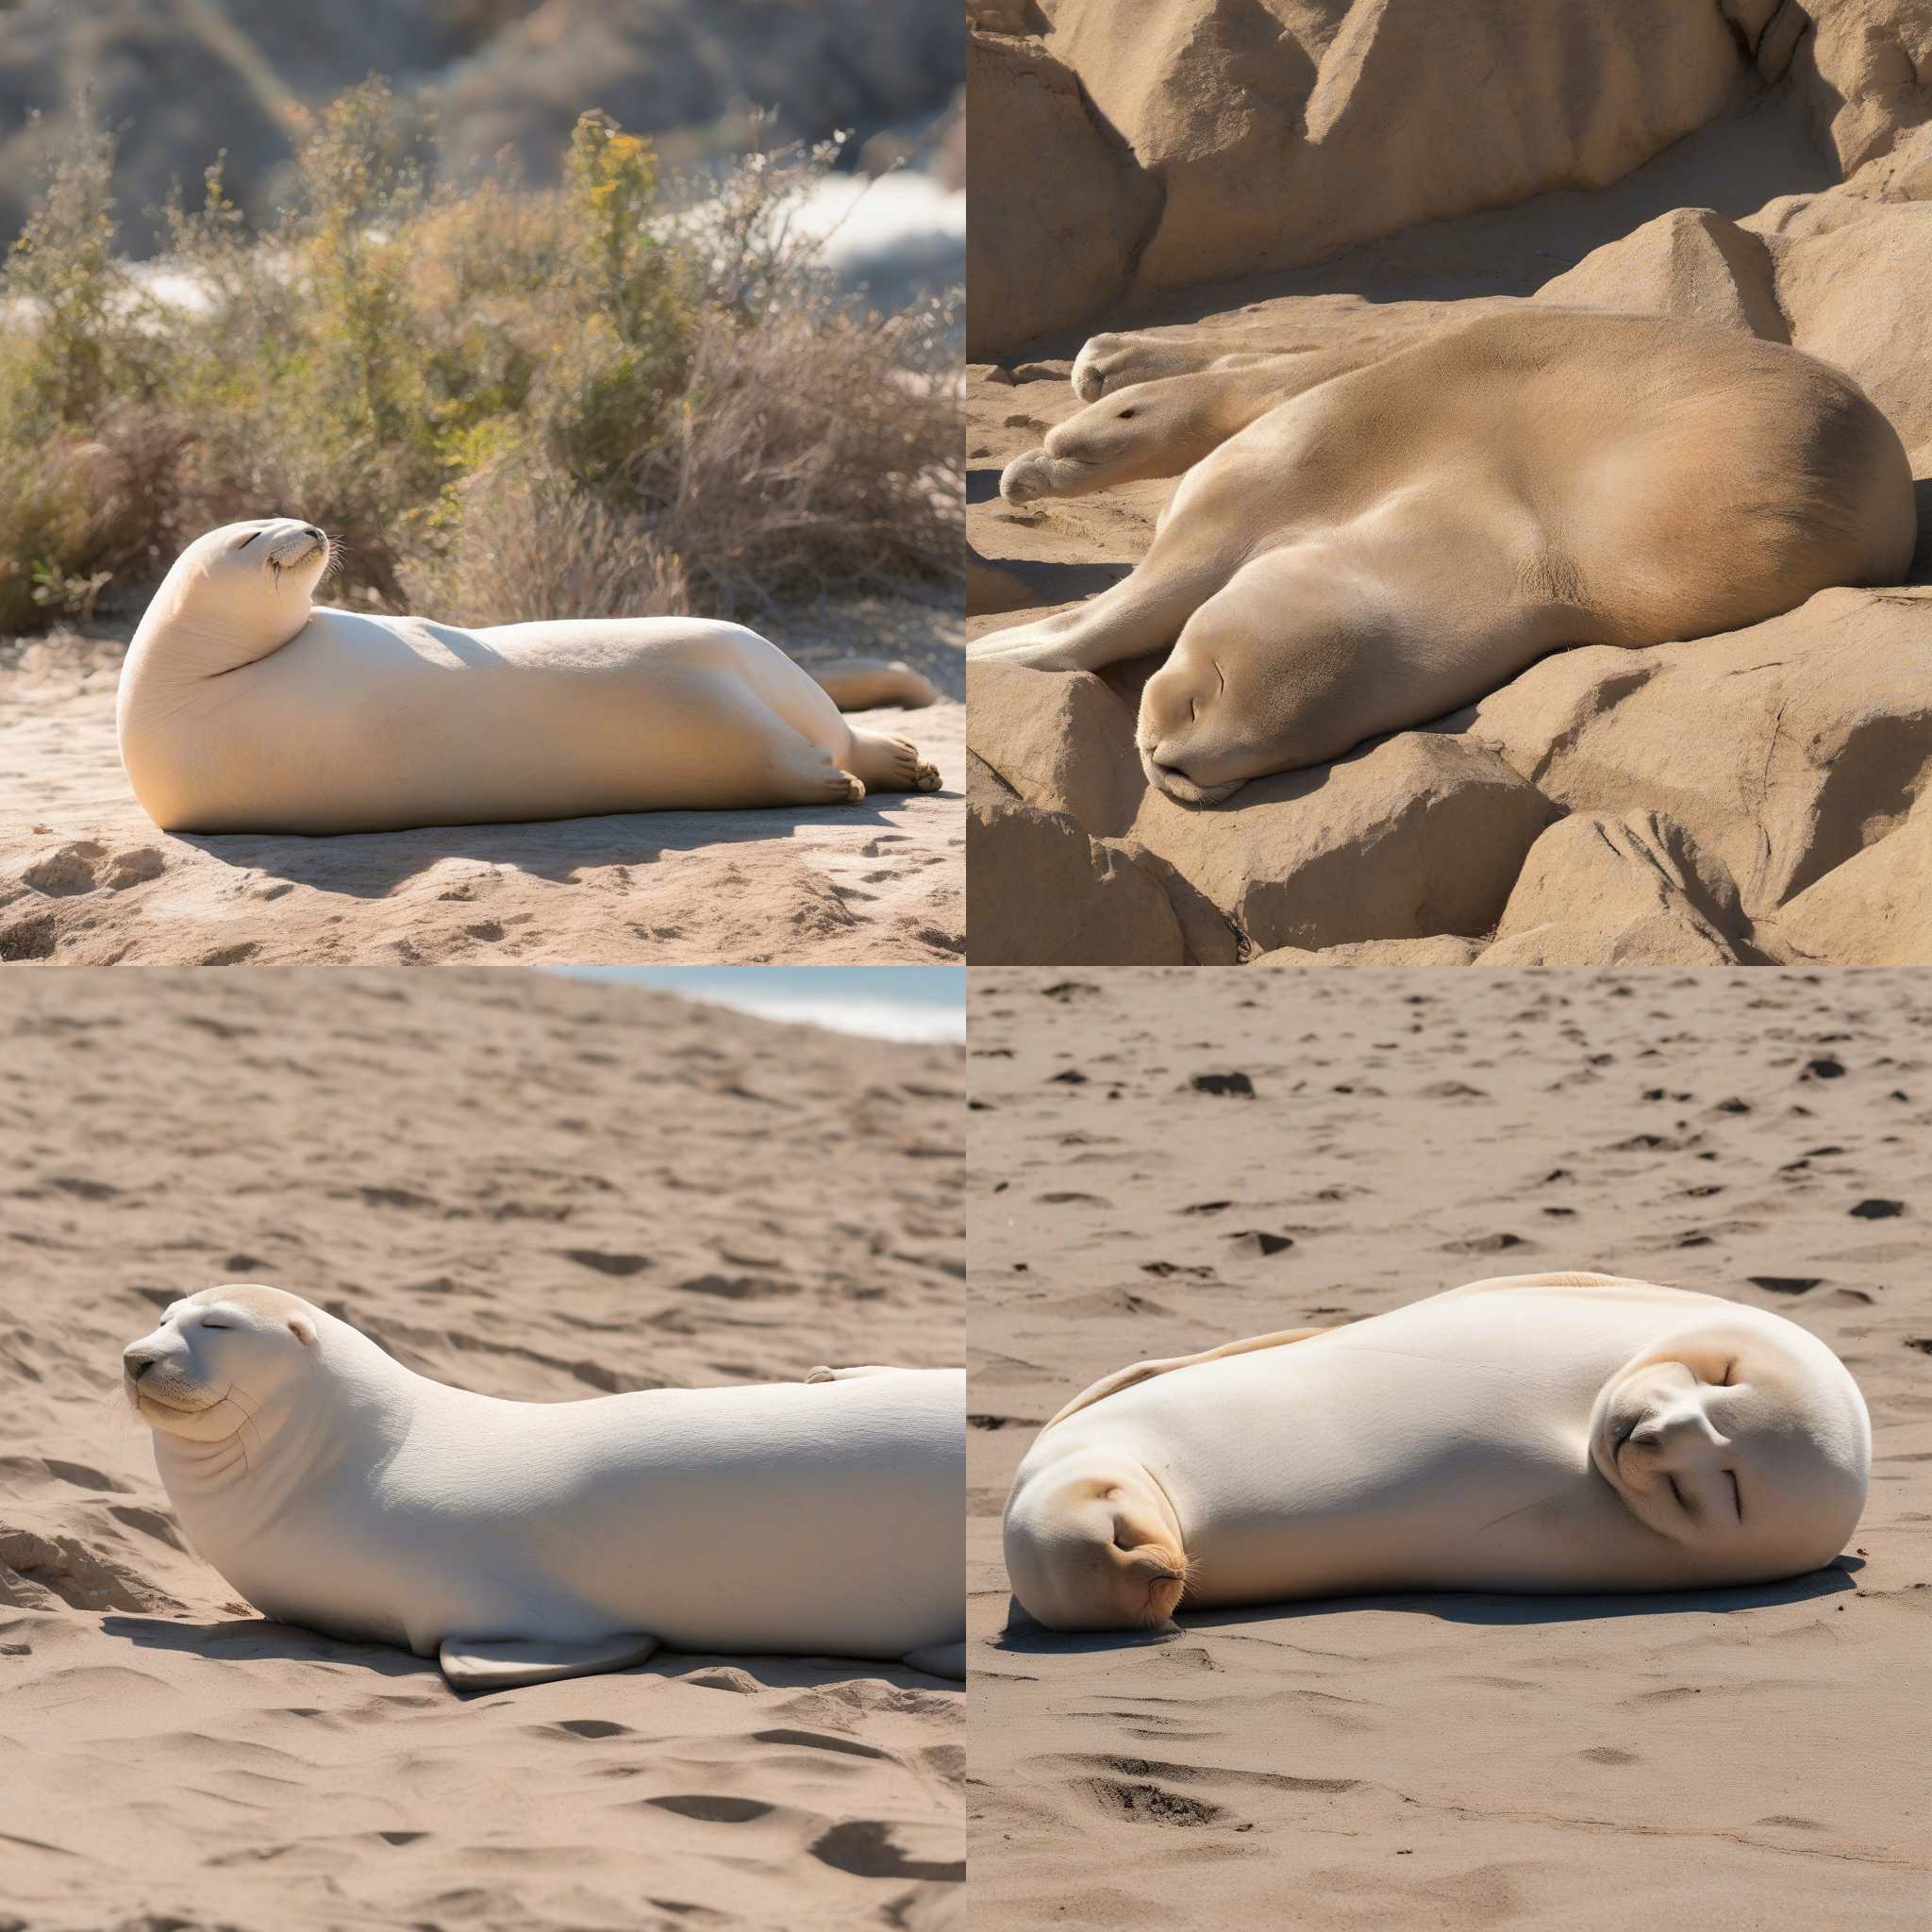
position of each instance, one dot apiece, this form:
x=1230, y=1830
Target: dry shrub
x=816, y=454
x=75, y=516
x=533, y=547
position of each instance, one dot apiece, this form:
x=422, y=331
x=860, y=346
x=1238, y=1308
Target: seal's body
x=1557, y=1433
x=334, y=1487
x=244, y=707
x=1396, y=541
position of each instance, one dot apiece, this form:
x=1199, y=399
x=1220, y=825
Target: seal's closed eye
x=245, y=543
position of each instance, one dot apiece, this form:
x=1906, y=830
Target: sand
x=528, y=1185
x=1739, y=1758
x=86, y=878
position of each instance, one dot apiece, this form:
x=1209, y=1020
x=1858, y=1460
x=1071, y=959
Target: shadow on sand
x=371, y=865
x=1023, y=1636
x=254, y=1639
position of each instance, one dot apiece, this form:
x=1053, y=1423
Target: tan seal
x=1397, y=539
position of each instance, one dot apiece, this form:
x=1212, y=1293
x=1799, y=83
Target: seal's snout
x=1173, y=780
x=137, y=1365
x=1024, y=477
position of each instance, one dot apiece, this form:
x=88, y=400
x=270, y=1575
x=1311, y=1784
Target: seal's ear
x=303, y=1329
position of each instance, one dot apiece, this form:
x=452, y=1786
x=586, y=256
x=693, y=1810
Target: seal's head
x=1147, y=430
x=276, y=558
x=1092, y=1545
x=1273, y=672
x=214, y=1360
x=1750, y=1449
x=234, y=595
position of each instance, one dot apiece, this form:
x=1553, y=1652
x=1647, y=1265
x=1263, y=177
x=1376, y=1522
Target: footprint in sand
x=714, y=1809
x=1253, y=1241
x=86, y=866
x=866, y=1849
x=599, y=1262
x=1236, y=1084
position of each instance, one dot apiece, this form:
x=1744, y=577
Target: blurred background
x=189, y=78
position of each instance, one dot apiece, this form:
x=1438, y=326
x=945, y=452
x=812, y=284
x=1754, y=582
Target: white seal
x=245, y=707
x=519, y=1542
x=1537, y=1432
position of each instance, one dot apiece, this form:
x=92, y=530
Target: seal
x=1396, y=541
x=1540, y=1433
x=246, y=706
x=520, y=1541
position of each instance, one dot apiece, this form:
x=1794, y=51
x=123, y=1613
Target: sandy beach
x=86, y=879
x=533, y=1187
x=1742, y=1759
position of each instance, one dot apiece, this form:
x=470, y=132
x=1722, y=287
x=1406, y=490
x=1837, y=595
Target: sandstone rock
x=1421, y=834
x=1063, y=898
x=1824, y=716
x=1632, y=891
x=1443, y=950
x=1690, y=262
x=1057, y=202
x=1264, y=141
x=1062, y=742
x=1662, y=938
x=1862, y=73
x=1617, y=871
x=1876, y=910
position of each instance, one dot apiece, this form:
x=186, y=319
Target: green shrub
x=504, y=403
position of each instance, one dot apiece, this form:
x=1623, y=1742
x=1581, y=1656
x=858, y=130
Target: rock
x=1359, y=120
x=1443, y=949
x=1876, y=910
x=1058, y=204
x=1421, y=834
x=1690, y=262
x=1861, y=73
x=1824, y=715
x=1633, y=891
x=1061, y=740
x=1663, y=938
x=1063, y=899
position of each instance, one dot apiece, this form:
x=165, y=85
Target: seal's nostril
x=313, y=531
x=138, y=1369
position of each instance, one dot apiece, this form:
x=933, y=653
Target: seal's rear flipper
x=939, y=1660
x=481, y=1663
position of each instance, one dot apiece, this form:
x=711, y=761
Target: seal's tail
x=863, y=684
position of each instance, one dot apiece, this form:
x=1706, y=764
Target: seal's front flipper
x=939, y=1660
x=482, y=1663
x=824, y=1374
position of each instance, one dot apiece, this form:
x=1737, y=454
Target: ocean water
x=886, y=1001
